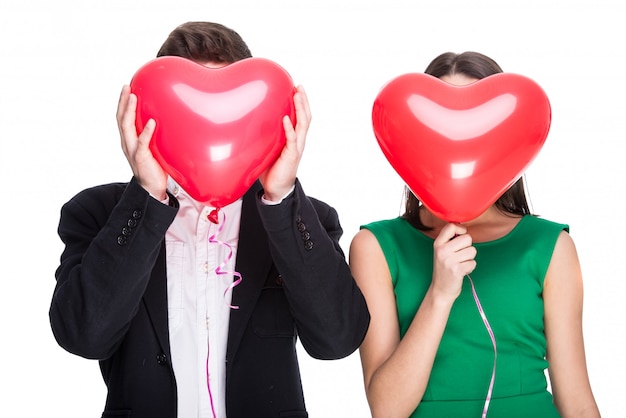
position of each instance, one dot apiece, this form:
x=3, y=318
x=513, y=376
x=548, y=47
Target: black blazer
x=110, y=300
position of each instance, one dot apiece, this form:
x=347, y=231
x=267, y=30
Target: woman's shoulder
x=539, y=233
x=542, y=224
x=386, y=224
x=390, y=232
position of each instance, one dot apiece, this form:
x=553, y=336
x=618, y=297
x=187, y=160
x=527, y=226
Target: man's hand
x=279, y=179
x=145, y=168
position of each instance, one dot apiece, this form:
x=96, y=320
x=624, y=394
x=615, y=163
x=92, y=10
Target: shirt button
x=161, y=359
x=279, y=280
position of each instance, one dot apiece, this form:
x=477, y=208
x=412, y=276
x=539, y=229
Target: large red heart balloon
x=459, y=148
x=217, y=129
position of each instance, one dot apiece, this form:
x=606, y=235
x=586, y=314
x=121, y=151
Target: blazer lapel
x=155, y=300
x=253, y=263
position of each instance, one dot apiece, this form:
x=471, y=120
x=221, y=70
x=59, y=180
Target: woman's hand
x=453, y=260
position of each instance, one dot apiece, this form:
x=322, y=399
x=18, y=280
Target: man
x=141, y=284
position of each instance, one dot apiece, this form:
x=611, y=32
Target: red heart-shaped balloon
x=217, y=129
x=459, y=148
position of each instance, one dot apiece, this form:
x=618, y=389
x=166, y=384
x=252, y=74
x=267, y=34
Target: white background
x=64, y=62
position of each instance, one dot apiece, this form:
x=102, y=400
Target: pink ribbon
x=218, y=270
x=214, y=217
x=493, y=341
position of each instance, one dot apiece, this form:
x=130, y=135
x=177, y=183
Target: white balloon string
x=493, y=341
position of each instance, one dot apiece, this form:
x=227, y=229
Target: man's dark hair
x=204, y=42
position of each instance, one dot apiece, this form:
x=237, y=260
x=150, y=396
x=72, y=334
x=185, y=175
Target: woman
x=428, y=352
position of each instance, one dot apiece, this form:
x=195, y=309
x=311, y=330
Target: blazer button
x=126, y=231
x=306, y=236
x=308, y=245
x=137, y=214
x=301, y=227
x=132, y=223
x=161, y=359
x=121, y=240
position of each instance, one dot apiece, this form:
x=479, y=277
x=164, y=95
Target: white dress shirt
x=199, y=302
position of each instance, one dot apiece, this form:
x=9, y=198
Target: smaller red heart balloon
x=217, y=129
x=459, y=148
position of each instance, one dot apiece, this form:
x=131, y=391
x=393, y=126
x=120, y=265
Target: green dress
x=508, y=280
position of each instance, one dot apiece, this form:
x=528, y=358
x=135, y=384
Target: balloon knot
x=214, y=216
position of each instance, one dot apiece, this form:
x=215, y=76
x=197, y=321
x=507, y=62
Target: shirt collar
x=178, y=192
